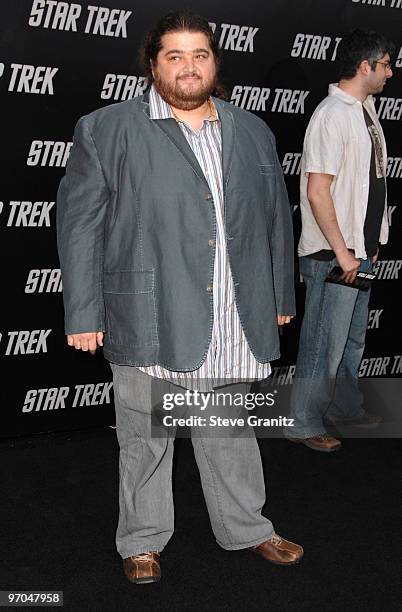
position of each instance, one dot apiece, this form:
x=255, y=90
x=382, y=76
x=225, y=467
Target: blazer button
x=211, y=243
x=208, y=196
x=209, y=287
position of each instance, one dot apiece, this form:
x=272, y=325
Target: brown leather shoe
x=143, y=568
x=324, y=443
x=279, y=551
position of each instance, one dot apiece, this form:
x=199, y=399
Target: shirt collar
x=160, y=109
x=334, y=90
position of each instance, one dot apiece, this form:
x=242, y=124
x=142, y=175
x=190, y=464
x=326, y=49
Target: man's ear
x=152, y=68
x=365, y=68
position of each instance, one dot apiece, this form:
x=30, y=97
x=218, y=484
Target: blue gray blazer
x=134, y=217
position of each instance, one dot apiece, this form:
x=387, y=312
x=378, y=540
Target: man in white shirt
x=344, y=219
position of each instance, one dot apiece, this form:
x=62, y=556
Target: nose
x=390, y=73
x=189, y=63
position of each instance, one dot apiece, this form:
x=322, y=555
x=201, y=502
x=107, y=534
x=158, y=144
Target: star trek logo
x=262, y=99
x=315, y=47
x=49, y=153
x=381, y=366
x=235, y=37
x=26, y=214
x=291, y=163
x=394, y=167
x=123, y=86
x=46, y=280
x=374, y=318
x=25, y=78
x=65, y=16
x=388, y=269
x=25, y=342
x=389, y=109
x=380, y=3
x=56, y=398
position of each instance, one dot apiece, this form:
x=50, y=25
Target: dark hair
x=360, y=45
x=177, y=21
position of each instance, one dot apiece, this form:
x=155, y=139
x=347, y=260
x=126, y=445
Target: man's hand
x=349, y=264
x=282, y=319
x=86, y=342
x=375, y=257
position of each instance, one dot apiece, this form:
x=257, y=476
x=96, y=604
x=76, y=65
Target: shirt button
x=209, y=287
x=211, y=242
x=208, y=196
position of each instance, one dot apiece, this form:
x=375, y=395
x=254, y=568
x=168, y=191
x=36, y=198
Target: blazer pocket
x=130, y=307
x=268, y=176
x=267, y=168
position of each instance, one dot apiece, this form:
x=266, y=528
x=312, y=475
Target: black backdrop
x=61, y=60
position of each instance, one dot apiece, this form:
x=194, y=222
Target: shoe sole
x=278, y=562
x=144, y=580
x=309, y=445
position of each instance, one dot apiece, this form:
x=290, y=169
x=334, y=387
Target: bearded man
x=175, y=242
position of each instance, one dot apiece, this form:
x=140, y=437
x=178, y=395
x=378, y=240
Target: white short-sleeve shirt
x=337, y=142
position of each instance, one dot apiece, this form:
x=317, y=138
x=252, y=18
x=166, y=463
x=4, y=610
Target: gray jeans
x=230, y=470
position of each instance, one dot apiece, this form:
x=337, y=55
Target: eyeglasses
x=388, y=65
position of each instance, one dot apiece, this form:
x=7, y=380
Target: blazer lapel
x=228, y=136
x=176, y=136
x=174, y=133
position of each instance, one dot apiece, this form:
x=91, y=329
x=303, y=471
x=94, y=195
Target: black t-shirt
x=376, y=198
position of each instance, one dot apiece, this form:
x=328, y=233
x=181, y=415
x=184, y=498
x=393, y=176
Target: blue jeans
x=330, y=351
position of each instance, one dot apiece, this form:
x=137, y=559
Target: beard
x=185, y=97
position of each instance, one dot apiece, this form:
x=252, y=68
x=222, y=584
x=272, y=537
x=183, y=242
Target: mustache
x=189, y=74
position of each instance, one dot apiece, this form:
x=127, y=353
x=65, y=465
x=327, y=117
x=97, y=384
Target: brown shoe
x=279, y=551
x=324, y=443
x=143, y=568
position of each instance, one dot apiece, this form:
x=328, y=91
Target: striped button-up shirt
x=229, y=358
